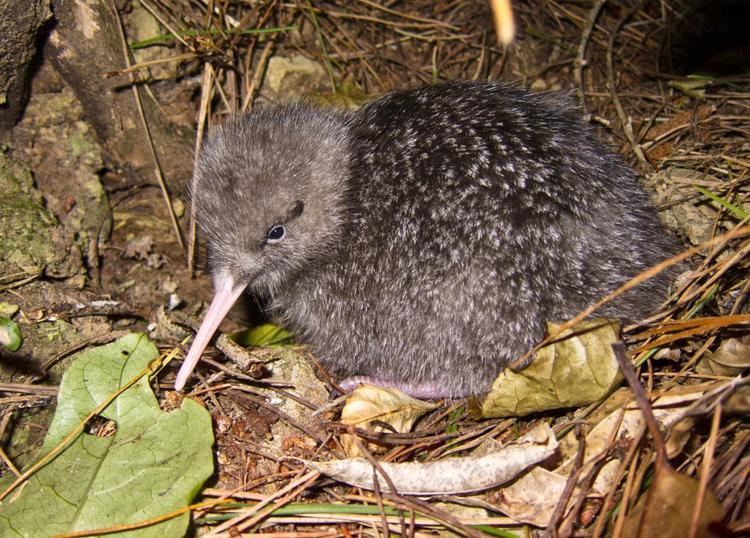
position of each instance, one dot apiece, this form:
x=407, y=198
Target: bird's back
x=477, y=212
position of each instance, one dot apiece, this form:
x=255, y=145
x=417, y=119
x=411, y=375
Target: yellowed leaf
x=578, y=369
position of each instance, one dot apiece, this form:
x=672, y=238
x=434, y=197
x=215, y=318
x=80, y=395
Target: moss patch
x=25, y=225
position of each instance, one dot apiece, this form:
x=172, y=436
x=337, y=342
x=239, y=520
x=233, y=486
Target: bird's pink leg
x=423, y=391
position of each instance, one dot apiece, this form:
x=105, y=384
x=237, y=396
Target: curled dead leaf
x=378, y=409
x=534, y=496
x=730, y=359
x=451, y=475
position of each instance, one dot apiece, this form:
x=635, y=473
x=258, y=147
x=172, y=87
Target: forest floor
x=90, y=252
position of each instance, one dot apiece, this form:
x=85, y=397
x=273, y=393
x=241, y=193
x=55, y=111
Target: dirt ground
x=89, y=250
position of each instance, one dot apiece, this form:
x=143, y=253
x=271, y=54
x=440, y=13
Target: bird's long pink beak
x=227, y=293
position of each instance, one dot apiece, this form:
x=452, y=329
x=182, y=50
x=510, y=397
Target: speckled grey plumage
x=439, y=227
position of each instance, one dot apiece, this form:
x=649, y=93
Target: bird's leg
x=423, y=391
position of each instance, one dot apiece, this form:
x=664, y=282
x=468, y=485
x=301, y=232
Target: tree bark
x=84, y=47
x=19, y=25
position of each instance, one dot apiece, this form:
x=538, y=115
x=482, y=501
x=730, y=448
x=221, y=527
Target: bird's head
x=269, y=194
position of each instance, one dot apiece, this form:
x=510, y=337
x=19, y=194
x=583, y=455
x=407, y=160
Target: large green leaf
x=154, y=463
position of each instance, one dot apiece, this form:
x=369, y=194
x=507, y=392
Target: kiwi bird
x=423, y=240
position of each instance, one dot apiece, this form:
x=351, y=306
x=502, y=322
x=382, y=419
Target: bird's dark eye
x=276, y=233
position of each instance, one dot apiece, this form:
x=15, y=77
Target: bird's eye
x=276, y=233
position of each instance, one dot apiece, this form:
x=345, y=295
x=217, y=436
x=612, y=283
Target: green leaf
x=10, y=334
x=453, y=417
x=736, y=210
x=267, y=334
x=692, y=88
x=154, y=463
x=7, y=309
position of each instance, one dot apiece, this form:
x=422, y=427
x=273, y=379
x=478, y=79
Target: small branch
x=562, y=503
x=233, y=351
x=247, y=103
x=147, y=131
x=582, y=46
x=708, y=458
x=612, y=86
x=641, y=399
x=206, y=93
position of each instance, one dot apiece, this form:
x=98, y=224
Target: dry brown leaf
x=734, y=396
x=679, y=434
x=669, y=410
x=666, y=510
x=608, y=410
x=738, y=403
x=578, y=369
x=451, y=475
x=374, y=408
x=730, y=359
x=533, y=497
